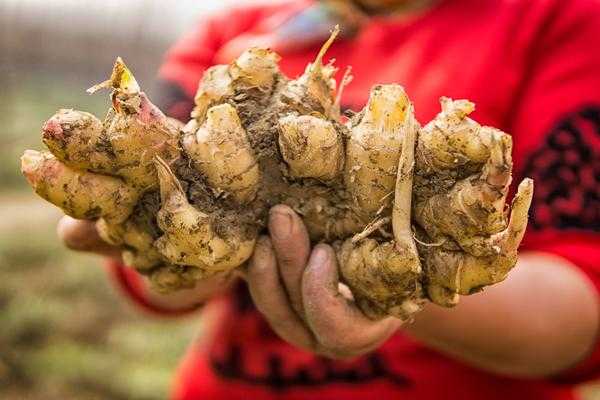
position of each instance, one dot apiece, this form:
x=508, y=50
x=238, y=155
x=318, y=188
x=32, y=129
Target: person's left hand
x=297, y=292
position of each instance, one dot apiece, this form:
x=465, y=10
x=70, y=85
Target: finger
x=81, y=235
x=337, y=324
x=270, y=297
x=292, y=248
x=518, y=215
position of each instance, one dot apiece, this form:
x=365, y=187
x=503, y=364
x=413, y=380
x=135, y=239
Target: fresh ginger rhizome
x=415, y=213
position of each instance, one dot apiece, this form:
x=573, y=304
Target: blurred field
x=64, y=331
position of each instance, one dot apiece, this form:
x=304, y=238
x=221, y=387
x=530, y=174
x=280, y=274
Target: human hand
x=298, y=292
x=81, y=235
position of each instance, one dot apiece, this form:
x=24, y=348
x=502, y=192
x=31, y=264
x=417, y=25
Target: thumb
x=81, y=235
x=336, y=322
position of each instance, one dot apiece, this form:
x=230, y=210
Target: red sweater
x=533, y=69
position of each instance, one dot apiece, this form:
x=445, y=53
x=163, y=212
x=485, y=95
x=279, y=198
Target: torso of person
x=479, y=50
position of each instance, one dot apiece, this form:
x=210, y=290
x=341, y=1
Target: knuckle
x=311, y=289
x=259, y=272
x=261, y=263
x=257, y=267
x=286, y=258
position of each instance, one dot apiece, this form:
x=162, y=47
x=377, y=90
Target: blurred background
x=65, y=333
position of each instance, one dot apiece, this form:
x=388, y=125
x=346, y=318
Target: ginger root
x=415, y=213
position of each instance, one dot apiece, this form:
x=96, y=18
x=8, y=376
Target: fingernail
x=280, y=224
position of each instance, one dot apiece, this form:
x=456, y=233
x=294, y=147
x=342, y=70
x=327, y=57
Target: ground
x=65, y=333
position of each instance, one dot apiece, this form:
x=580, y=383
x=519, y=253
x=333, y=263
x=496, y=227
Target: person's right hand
x=81, y=235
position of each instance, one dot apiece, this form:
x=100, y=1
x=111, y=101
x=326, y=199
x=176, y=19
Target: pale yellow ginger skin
x=373, y=149
x=127, y=146
x=255, y=67
x=367, y=265
x=467, y=135
x=470, y=216
x=311, y=147
x=415, y=214
x=221, y=151
x=495, y=256
x=72, y=136
x=312, y=91
x=80, y=141
x=157, y=136
x=129, y=233
x=80, y=194
x=189, y=237
x=215, y=85
x=325, y=221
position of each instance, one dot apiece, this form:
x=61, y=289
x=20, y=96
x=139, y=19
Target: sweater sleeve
x=556, y=133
